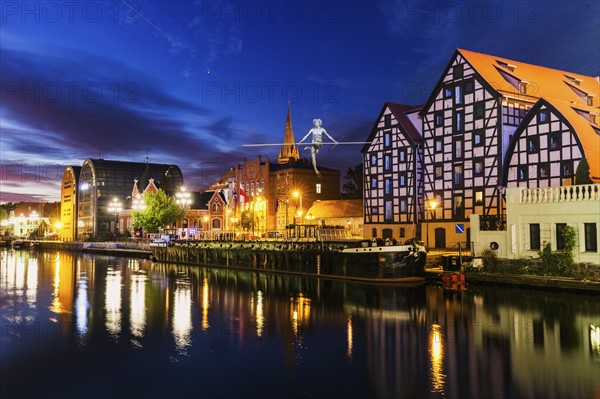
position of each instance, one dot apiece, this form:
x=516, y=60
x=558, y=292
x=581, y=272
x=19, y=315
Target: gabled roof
x=588, y=135
x=542, y=82
x=336, y=209
x=399, y=111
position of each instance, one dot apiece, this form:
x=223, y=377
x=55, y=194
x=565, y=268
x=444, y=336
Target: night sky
x=190, y=82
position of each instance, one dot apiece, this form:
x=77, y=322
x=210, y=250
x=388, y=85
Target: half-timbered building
x=473, y=123
x=393, y=165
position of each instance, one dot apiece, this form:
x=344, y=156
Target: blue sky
x=190, y=82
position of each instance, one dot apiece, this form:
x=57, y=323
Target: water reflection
x=364, y=340
x=113, y=301
x=137, y=300
x=182, y=316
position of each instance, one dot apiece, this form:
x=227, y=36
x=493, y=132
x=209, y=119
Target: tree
x=7, y=208
x=160, y=210
x=582, y=174
x=353, y=188
x=247, y=220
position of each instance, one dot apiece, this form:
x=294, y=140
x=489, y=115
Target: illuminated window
x=318, y=188
x=479, y=197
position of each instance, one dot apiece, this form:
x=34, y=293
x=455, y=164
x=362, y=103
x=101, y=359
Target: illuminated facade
x=492, y=123
x=101, y=181
x=68, y=201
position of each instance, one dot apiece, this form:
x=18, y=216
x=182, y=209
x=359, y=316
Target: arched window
x=216, y=223
x=216, y=207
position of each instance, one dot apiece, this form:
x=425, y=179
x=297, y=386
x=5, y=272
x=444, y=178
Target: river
x=92, y=326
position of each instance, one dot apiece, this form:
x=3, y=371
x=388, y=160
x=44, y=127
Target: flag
x=234, y=194
x=242, y=195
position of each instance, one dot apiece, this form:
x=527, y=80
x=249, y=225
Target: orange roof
x=541, y=81
x=564, y=90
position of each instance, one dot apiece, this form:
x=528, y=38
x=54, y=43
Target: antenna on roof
x=147, y=158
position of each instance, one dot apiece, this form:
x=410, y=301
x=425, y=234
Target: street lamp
x=183, y=199
x=432, y=205
x=298, y=194
x=115, y=207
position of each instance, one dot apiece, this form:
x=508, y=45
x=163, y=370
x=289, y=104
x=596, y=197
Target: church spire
x=288, y=149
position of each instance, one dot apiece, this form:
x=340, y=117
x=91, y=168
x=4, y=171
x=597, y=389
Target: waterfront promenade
x=433, y=271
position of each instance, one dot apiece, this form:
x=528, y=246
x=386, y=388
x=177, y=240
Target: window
x=373, y=232
x=447, y=92
x=478, y=166
x=543, y=170
x=591, y=237
x=216, y=207
x=373, y=159
x=458, y=208
x=533, y=144
x=458, y=95
x=590, y=100
x=543, y=116
x=402, y=232
x=459, y=121
x=534, y=236
x=469, y=86
x=387, y=139
x=554, y=141
x=387, y=185
x=522, y=172
x=479, y=110
x=457, y=71
x=523, y=87
x=216, y=223
x=458, y=148
x=402, y=155
x=387, y=120
x=373, y=182
x=402, y=179
x=439, y=119
x=438, y=145
x=374, y=210
x=566, y=168
x=402, y=206
x=318, y=188
x=388, y=210
x=458, y=175
x=478, y=138
x=479, y=197
x=387, y=163
x=439, y=171
x=560, y=241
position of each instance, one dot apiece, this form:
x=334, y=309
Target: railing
x=333, y=234
x=582, y=192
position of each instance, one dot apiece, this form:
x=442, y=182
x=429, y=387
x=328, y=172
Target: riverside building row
x=489, y=124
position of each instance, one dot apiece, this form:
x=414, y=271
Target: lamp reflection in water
x=56, y=306
x=113, y=301
x=182, y=316
x=205, y=304
x=436, y=352
x=260, y=315
x=32, y=282
x=137, y=300
x=300, y=311
x=349, y=337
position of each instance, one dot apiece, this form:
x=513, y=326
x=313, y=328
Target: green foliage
x=160, y=210
x=5, y=209
x=127, y=234
x=490, y=260
x=559, y=263
x=353, y=187
x=582, y=174
x=247, y=221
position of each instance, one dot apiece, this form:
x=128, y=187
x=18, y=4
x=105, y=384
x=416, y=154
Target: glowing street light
x=298, y=194
x=432, y=205
x=184, y=200
x=114, y=207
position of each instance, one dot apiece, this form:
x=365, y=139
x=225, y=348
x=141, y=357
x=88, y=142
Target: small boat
x=403, y=260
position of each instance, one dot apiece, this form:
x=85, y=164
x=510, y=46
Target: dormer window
x=574, y=80
x=590, y=100
x=582, y=94
x=523, y=87
x=507, y=66
x=513, y=80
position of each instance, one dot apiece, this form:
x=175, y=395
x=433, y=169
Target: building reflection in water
x=182, y=315
x=137, y=300
x=113, y=301
x=299, y=311
x=32, y=281
x=82, y=304
x=259, y=314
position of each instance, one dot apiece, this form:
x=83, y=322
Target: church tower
x=288, y=149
